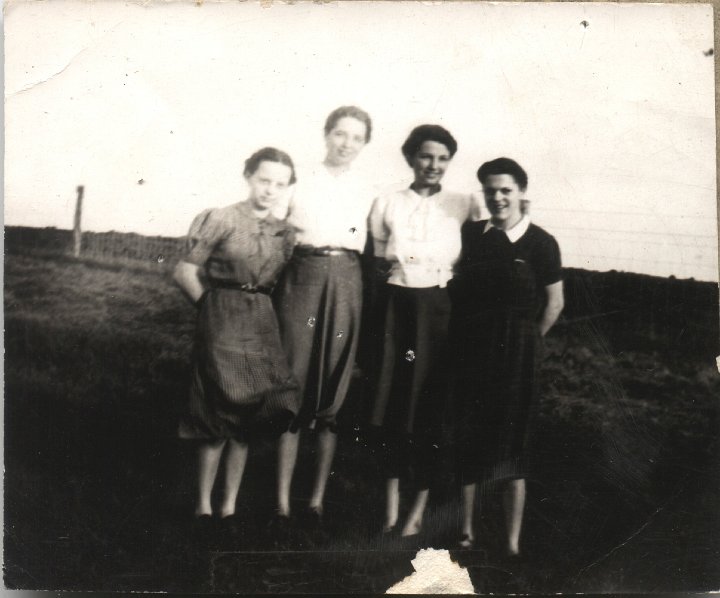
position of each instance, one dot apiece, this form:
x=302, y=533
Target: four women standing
x=507, y=292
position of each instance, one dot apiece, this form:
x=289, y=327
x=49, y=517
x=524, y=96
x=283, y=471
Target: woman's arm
x=378, y=233
x=555, y=304
x=187, y=277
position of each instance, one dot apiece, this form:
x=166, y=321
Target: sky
x=154, y=106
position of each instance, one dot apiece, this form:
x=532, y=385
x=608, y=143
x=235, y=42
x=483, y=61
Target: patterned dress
x=241, y=383
x=498, y=296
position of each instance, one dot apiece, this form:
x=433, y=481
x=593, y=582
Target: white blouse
x=330, y=210
x=419, y=235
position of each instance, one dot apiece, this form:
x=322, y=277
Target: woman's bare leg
x=514, y=505
x=287, y=457
x=209, y=455
x=414, y=520
x=234, y=468
x=392, y=503
x=468, y=506
x=326, y=444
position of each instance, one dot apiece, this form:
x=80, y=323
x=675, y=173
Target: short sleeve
x=206, y=230
x=550, y=268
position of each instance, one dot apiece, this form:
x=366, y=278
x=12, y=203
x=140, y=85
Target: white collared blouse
x=420, y=236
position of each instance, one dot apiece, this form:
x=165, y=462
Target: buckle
x=249, y=288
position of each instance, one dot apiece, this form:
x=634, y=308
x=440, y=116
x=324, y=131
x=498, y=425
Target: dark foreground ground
x=98, y=492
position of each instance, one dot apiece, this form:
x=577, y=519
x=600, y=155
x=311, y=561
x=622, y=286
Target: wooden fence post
x=77, y=231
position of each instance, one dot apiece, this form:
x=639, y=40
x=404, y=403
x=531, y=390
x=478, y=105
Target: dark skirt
x=319, y=304
x=241, y=383
x=494, y=393
x=412, y=384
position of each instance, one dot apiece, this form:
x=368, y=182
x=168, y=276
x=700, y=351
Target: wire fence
x=665, y=312
x=131, y=248
x=160, y=251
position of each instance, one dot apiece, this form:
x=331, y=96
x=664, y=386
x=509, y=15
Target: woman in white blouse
x=319, y=300
x=417, y=232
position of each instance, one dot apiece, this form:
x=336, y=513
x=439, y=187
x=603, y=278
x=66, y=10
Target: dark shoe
x=389, y=531
x=202, y=523
x=389, y=536
x=512, y=557
x=231, y=532
x=312, y=518
x=466, y=542
x=204, y=530
x=279, y=530
x=411, y=542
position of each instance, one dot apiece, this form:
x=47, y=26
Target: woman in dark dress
x=242, y=384
x=507, y=294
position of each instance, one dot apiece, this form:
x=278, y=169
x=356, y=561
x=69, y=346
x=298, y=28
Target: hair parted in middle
x=352, y=112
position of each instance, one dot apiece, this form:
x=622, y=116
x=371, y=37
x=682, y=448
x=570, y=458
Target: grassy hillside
x=98, y=492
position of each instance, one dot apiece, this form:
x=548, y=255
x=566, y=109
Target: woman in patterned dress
x=242, y=385
x=507, y=294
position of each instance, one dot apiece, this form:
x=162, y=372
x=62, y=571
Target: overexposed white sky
x=614, y=120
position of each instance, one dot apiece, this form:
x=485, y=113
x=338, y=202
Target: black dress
x=498, y=296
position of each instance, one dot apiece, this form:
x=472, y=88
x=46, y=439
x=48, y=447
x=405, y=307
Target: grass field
x=99, y=492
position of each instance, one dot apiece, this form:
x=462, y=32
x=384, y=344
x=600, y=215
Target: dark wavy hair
x=503, y=166
x=352, y=112
x=423, y=133
x=269, y=154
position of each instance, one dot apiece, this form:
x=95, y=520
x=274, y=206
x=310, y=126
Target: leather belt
x=241, y=286
x=323, y=251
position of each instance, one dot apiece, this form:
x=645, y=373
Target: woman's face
x=429, y=163
x=503, y=199
x=345, y=141
x=268, y=183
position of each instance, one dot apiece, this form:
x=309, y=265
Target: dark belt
x=241, y=286
x=305, y=250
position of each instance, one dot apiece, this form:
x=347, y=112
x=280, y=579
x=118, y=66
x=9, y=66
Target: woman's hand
x=382, y=268
x=555, y=304
x=187, y=277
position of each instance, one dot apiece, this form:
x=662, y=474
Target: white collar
x=515, y=232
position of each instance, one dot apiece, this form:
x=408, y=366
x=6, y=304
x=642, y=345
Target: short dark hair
x=269, y=154
x=352, y=112
x=423, y=133
x=503, y=166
